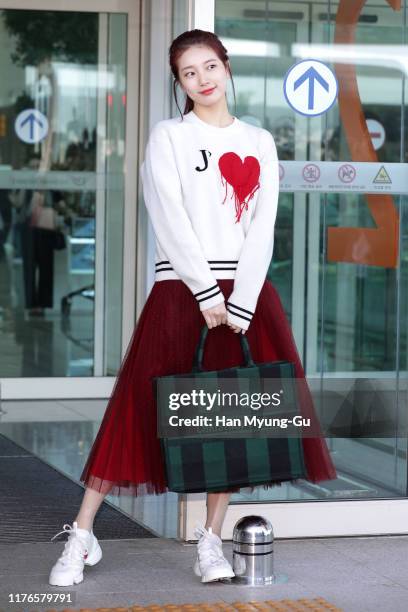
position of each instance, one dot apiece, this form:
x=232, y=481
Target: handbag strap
x=198, y=356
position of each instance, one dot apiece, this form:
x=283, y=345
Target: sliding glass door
x=67, y=201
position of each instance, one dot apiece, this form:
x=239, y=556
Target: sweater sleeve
x=256, y=252
x=162, y=192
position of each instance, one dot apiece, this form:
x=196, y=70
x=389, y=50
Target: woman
x=38, y=248
x=203, y=175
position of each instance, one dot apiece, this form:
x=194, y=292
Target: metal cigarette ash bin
x=252, y=545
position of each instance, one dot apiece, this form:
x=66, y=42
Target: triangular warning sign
x=382, y=176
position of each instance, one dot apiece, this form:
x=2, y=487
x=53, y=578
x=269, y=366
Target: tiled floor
x=355, y=574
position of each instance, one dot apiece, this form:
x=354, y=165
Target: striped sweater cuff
x=209, y=297
x=238, y=315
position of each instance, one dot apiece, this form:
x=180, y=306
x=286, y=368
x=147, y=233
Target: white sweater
x=212, y=196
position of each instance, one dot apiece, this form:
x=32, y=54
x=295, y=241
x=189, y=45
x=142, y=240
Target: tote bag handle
x=198, y=357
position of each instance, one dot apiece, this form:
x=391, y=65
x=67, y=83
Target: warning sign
x=382, y=176
x=343, y=177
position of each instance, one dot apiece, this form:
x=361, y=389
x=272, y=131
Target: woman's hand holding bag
x=216, y=315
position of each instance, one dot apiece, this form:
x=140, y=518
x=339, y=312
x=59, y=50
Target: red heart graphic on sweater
x=242, y=176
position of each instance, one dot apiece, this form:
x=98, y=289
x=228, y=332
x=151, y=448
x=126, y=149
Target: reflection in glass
x=54, y=192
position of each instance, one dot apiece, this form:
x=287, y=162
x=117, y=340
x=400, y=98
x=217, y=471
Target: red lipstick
x=207, y=91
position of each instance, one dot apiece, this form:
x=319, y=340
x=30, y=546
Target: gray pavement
x=355, y=574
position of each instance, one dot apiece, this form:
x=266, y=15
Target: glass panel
x=350, y=311
x=60, y=310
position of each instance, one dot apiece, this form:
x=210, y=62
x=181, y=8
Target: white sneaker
x=82, y=548
x=211, y=563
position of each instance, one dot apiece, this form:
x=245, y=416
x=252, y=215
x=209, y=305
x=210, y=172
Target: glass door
x=67, y=197
x=343, y=289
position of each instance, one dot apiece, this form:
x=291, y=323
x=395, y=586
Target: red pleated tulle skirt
x=126, y=455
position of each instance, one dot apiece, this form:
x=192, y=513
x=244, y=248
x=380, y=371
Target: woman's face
x=200, y=70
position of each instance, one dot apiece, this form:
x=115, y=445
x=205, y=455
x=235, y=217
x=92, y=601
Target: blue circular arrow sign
x=31, y=126
x=310, y=87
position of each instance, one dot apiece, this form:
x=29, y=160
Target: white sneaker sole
x=60, y=582
x=217, y=574
x=214, y=574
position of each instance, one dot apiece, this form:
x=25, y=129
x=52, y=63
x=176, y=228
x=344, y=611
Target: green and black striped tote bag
x=208, y=464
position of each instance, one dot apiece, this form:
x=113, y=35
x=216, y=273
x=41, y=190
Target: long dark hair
x=185, y=41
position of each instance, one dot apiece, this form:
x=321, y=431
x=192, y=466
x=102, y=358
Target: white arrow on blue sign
x=310, y=87
x=31, y=126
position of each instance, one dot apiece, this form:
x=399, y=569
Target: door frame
x=305, y=519
x=101, y=386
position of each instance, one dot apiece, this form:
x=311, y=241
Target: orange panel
x=375, y=247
